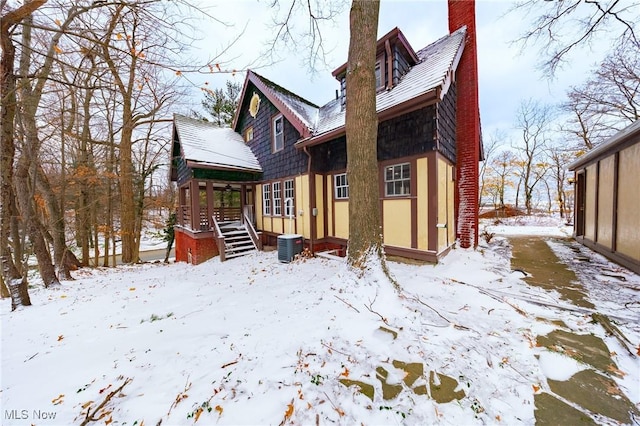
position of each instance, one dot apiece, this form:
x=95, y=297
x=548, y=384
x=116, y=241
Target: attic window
x=379, y=79
x=277, y=130
x=248, y=134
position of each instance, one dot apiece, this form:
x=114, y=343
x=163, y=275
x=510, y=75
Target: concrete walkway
x=590, y=396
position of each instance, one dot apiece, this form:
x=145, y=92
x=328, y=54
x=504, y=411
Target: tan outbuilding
x=607, y=210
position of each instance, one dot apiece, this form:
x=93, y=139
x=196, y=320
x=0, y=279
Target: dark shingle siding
x=287, y=162
x=329, y=156
x=409, y=134
x=404, y=136
x=447, y=124
x=400, y=65
x=184, y=172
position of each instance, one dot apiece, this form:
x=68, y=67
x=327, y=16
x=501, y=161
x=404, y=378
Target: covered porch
x=216, y=174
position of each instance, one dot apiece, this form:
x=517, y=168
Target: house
x=607, y=198
x=281, y=167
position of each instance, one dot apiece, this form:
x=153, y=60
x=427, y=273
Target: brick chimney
x=463, y=12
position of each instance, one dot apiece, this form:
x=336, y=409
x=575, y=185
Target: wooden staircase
x=237, y=241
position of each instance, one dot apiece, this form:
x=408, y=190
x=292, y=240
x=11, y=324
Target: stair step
x=238, y=254
x=240, y=248
x=238, y=241
x=232, y=233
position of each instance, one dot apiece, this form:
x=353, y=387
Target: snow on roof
x=206, y=143
x=306, y=111
x=436, y=60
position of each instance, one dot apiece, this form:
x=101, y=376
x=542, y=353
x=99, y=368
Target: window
x=266, y=199
x=379, y=78
x=278, y=133
x=289, y=199
x=248, y=134
x=277, y=198
x=397, y=180
x=342, y=186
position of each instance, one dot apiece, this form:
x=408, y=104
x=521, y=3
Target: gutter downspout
x=312, y=202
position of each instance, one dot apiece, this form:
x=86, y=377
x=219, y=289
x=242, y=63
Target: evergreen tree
x=221, y=104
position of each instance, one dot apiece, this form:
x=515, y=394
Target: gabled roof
x=615, y=143
x=204, y=145
x=427, y=81
x=393, y=35
x=301, y=113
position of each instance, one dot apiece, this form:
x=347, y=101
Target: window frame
x=277, y=200
x=248, y=134
x=266, y=199
x=289, y=192
x=342, y=186
x=274, y=135
x=395, y=180
x=379, y=67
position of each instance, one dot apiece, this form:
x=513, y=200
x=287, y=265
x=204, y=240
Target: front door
x=580, y=202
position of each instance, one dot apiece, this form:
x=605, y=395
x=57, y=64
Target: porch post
x=195, y=205
x=243, y=199
x=181, y=203
x=210, y=211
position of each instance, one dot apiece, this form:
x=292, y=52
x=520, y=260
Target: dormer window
x=379, y=78
x=277, y=130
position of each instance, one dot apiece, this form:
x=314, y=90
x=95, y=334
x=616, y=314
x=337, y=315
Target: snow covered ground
x=255, y=341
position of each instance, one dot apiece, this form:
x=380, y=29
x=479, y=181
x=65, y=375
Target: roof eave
x=423, y=100
x=194, y=164
x=617, y=142
x=301, y=127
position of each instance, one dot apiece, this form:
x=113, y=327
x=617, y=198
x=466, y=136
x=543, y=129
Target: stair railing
x=217, y=233
x=255, y=236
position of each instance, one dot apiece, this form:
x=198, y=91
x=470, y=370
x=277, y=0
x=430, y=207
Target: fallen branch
x=613, y=330
x=370, y=309
x=417, y=299
x=182, y=395
x=90, y=417
x=333, y=349
x=347, y=303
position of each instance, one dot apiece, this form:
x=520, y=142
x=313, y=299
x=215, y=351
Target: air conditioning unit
x=288, y=246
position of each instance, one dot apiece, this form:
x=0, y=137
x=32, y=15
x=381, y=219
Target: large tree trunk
x=57, y=227
x=26, y=170
x=362, y=134
x=12, y=278
x=33, y=226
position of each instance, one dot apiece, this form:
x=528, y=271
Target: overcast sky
x=507, y=75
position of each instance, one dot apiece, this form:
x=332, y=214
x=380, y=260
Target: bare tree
x=496, y=139
x=609, y=100
x=498, y=177
x=559, y=159
x=560, y=27
x=533, y=121
x=365, y=241
x=12, y=277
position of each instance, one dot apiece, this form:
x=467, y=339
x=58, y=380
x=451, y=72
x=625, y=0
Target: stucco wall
x=397, y=222
x=422, y=192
